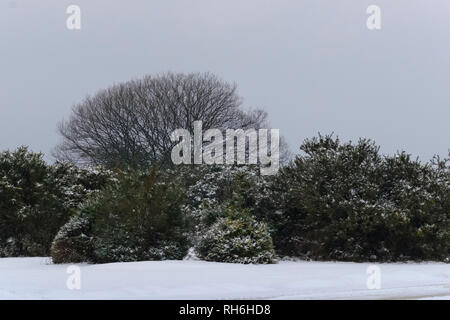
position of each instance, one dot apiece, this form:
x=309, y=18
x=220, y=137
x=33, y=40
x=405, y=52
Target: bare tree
x=129, y=124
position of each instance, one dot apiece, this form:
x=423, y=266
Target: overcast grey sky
x=312, y=64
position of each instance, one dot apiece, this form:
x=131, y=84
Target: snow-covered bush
x=73, y=244
x=137, y=218
x=213, y=187
x=36, y=199
x=75, y=184
x=345, y=201
x=237, y=238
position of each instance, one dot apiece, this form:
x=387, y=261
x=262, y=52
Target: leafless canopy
x=129, y=124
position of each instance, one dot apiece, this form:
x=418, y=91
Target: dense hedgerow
x=36, y=199
x=237, y=237
x=335, y=201
x=138, y=218
x=345, y=201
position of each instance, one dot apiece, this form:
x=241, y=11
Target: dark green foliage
x=30, y=210
x=347, y=202
x=137, y=218
x=26, y=199
x=36, y=199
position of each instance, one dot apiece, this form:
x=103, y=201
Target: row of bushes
x=335, y=201
x=144, y=217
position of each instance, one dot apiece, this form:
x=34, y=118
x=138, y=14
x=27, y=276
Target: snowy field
x=37, y=278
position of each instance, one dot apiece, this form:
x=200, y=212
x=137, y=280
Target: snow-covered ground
x=37, y=278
